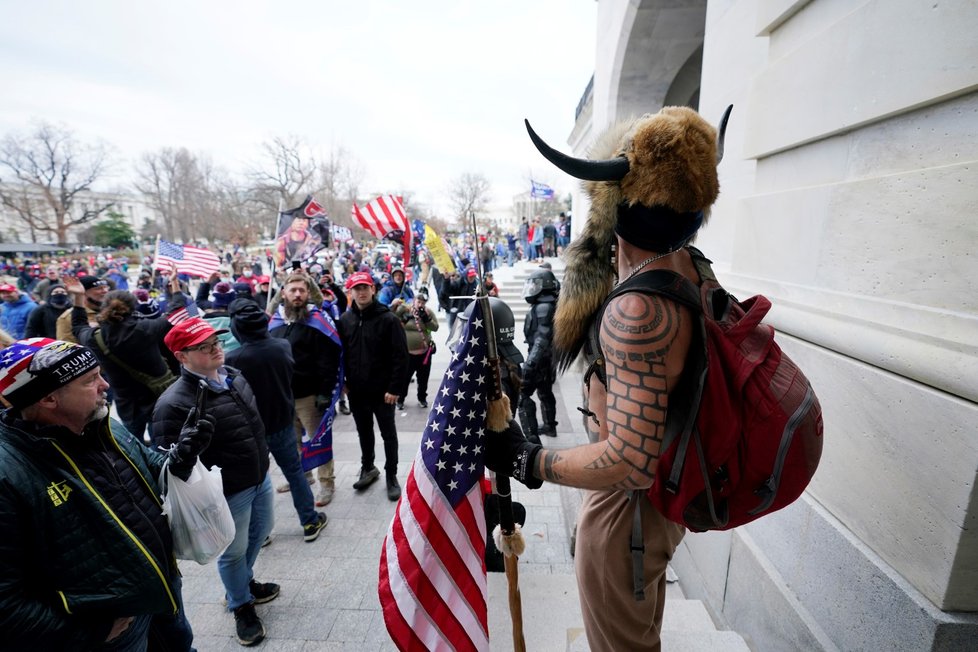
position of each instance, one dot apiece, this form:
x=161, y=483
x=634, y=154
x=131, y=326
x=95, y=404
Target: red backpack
x=744, y=428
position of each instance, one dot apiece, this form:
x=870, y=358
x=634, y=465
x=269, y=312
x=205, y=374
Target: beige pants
x=308, y=417
x=613, y=619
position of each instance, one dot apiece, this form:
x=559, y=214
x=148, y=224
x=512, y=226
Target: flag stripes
x=432, y=568
x=186, y=259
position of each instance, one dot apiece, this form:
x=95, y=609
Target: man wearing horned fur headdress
x=651, y=184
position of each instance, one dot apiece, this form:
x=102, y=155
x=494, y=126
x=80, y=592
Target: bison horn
x=723, y=133
x=581, y=168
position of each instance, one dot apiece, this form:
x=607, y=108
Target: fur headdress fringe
x=672, y=159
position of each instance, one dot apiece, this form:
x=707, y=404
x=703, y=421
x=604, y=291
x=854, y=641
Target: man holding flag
x=317, y=379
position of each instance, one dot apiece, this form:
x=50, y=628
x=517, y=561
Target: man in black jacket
x=376, y=363
x=238, y=448
x=267, y=365
x=86, y=557
x=43, y=321
x=315, y=381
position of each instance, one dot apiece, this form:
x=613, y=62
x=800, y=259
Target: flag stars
x=456, y=413
x=474, y=341
x=465, y=377
x=434, y=425
x=439, y=408
x=469, y=359
x=462, y=450
x=477, y=323
x=460, y=395
x=446, y=390
x=450, y=431
x=429, y=444
x=471, y=415
x=480, y=379
x=441, y=465
x=453, y=485
x=446, y=448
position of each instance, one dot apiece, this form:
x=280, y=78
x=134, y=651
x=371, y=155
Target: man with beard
x=316, y=379
x=86, y=557
x=376, y=363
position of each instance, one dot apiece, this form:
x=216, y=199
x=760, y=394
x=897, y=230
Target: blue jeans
x=253, y=517
x=281, y=445
x=172, y=632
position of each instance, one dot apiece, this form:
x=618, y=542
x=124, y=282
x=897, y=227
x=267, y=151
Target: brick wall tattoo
x=636, y=334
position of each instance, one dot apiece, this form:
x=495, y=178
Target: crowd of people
x=233, y=368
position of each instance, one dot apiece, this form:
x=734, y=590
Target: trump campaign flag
x=541, y=190
x=384, y=217
x=432, y=573
x=301, y=232
x=186, y=259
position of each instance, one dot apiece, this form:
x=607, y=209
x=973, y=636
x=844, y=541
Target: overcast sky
x=419, y=91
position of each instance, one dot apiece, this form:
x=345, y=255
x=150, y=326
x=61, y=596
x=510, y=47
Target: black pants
x=364, y=408
x=417, y=364
x=544, y=388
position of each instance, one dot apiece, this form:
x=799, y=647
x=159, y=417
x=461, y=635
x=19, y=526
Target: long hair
x=116, y=307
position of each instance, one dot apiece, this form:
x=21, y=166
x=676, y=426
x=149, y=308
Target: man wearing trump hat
x=86, y=556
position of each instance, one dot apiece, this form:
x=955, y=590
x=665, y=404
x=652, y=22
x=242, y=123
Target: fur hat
x=652, y=181
x=33, y=368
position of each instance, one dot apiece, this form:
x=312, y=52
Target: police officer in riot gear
x=540, y=291
x=510, y=358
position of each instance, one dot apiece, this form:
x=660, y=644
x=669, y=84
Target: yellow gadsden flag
x=436, y=245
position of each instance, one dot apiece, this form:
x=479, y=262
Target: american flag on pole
x=432, y=570
x=187, y=259
x=384, y=217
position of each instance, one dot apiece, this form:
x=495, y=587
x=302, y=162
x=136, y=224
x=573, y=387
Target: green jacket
x=83, y=539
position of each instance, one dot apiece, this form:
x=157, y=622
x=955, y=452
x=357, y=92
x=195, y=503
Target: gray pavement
x=329, y=587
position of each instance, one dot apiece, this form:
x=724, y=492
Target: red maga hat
x=190, y=332
x=359, y=278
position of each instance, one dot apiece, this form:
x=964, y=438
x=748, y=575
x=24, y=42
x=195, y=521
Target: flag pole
x=510, y=539
x=272, y=282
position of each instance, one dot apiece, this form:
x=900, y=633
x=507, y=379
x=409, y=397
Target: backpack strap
x=142, y=377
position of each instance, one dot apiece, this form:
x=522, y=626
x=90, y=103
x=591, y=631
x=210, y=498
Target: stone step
x=552, y=618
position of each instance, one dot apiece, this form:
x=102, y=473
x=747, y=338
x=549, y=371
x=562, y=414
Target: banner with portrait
x=302, y=232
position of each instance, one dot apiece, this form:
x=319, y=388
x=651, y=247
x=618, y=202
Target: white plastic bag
x=200, y=519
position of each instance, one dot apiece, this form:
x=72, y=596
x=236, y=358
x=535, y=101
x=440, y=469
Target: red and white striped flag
x=432, y=567
x=186, y=259
x=384, y=217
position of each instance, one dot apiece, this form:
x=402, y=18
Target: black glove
x=510, y=453
x=195, y=436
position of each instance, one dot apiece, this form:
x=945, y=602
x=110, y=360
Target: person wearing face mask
x=43, y=321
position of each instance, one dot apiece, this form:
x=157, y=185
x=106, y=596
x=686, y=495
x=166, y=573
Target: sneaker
x=367, y=478
x=423, y=403
x=248, y=626
x=263, y=591
x=344, y=407
x=325, y=496
x=549, y=430
x=311, y=532
x=393, y=489
x=400, y=406
x=267, y=542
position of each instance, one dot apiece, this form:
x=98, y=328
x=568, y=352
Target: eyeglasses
x=205, y=347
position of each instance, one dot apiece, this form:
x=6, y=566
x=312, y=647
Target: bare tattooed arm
x=644, y=341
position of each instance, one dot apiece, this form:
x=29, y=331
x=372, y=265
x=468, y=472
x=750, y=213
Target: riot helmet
x=541, y=281
x=502, y=319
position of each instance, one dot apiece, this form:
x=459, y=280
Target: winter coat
x=418, y=339
x=84, y=539
x=392, y=290
x=375, y=353
x=238, y=445
x=134, y=341
x=317, y=359
x=13, y=316
x=267, y=364
x=43, y=321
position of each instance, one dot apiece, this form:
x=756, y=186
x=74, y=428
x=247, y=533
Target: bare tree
x=468, y=193
x=340, y=177
x=46, y=170
x=176, y=181
x=287, y=173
